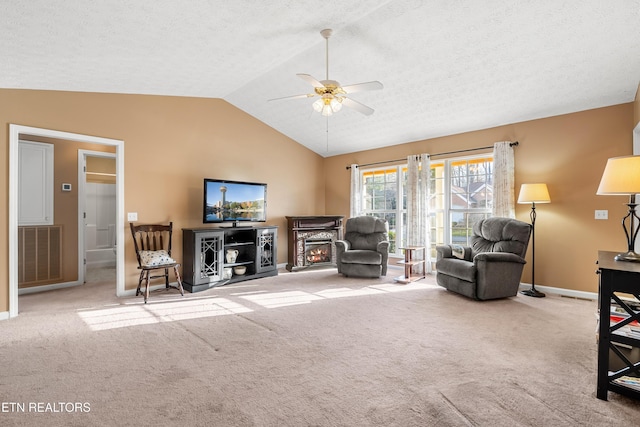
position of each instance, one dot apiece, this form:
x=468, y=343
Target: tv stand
x=211, y=255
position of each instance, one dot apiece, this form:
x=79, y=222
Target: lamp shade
x=621, y=176
x=534, y=193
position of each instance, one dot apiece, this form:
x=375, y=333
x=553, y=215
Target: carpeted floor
x=310, y=348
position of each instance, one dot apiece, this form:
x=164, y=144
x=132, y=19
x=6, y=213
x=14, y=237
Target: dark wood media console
x=217, y=256
x=312, y=241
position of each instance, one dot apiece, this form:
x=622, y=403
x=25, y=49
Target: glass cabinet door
x=267, y=258
x=209, y=263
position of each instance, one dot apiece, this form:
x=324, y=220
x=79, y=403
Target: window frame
x=443, y=236
x=448, y=211
x=395, y=234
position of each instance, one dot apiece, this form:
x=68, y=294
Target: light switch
x=132, y=216
x=602, y=214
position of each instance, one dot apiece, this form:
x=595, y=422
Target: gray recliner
x=492, y=267
x=364, y=251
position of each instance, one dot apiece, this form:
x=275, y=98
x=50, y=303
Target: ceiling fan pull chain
x=327, y=134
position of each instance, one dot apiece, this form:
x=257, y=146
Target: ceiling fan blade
x=361, y=87
x=311, y=80
x=367, y=111
x=308, y=95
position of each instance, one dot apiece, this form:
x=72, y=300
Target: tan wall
x=170, y=145
x=101, y=170
x=567, y=152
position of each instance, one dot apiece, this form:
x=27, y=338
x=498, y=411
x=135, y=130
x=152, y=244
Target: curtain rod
x=513, y=144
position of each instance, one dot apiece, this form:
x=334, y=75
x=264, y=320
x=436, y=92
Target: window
x=461, y=194
x=381, y=191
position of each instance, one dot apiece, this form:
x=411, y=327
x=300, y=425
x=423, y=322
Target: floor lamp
x=533, y=193
x=621, y=177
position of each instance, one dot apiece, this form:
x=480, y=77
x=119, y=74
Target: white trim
x=34, y=289
x=636, y=139
x=4, y=315
x=563, y=292
x=14, y=132
x=636, y=151
x=82, y=180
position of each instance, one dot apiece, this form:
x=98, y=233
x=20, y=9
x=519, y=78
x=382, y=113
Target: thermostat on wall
x=66, y=187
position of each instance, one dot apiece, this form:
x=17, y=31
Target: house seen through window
x=461, y=193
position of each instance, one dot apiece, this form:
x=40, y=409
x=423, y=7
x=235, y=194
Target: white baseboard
x=563, y=292
x=43, y=288
x=4, y=315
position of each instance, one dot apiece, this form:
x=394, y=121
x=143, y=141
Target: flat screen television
x=234, y=201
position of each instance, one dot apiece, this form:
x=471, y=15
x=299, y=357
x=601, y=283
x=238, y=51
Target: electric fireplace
x=312, y=241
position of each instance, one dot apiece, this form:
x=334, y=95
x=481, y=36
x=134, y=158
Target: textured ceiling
x=447, y=66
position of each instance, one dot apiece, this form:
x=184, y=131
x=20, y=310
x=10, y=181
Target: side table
x=410, y=254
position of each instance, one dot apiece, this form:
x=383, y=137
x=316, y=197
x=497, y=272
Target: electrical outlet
x=602, y=214
x=132, y=216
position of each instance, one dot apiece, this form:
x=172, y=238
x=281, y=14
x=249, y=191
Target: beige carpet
x=309, y=348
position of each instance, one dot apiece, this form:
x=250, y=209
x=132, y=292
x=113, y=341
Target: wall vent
x=39, y=255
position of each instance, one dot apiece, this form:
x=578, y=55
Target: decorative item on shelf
x=533, y=193
x=621, y=177
x=240, y=270
x=232, y=255
x=227, y=273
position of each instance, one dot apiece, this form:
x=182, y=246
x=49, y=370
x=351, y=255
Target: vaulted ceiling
x=447, y=66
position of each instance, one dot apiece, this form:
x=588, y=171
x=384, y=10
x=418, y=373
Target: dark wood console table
x=205, y=261
x=616, y=278
x=312, y=241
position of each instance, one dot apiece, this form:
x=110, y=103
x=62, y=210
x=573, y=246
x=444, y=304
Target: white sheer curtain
x=355, y=208
x=418, y=226
x=503, y=180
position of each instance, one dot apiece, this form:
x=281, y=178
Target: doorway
x=14, y=135
x=97, y=214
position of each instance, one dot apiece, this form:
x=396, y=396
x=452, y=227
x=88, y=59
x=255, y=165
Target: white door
x=97, y=213
x=35, y=183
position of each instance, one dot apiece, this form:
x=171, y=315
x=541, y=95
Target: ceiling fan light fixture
x=327, y=105
x=326, y=108
x=336, y=105
x=318, y=105
x=331, y=95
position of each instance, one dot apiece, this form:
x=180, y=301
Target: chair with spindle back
x=152, y=243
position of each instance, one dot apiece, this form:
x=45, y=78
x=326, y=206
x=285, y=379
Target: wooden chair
x=153, y=250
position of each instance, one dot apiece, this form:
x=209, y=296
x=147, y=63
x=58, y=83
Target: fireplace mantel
x=303, y=230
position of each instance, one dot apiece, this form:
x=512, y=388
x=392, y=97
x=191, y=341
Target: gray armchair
x=492, y=267
x=364, y=252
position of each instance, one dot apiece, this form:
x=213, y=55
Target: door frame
x=636, y=151
x=82, y=208
x=14, y=135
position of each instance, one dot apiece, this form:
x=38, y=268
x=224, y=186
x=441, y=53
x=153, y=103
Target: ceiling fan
x=331, y=95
